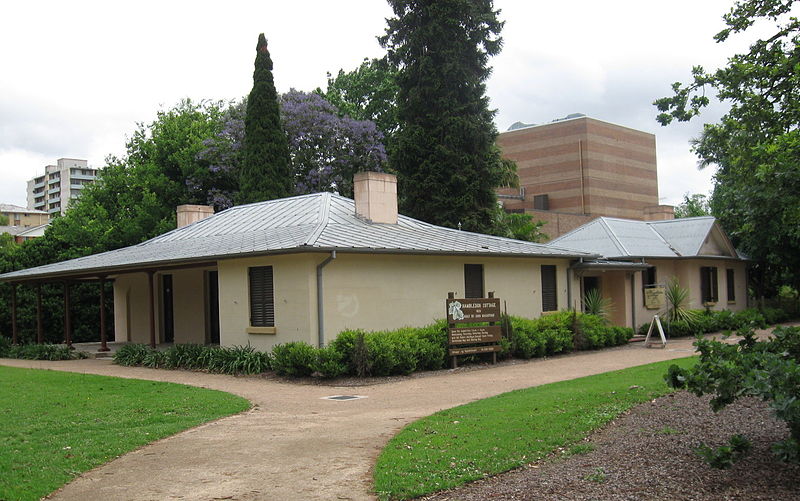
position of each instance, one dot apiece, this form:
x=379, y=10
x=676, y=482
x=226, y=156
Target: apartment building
x=578, y=168
x=60, y=183
x=22, y=217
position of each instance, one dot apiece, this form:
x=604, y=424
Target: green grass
x=497, y=434
x=57, y=425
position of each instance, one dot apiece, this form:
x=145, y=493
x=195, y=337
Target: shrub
x=5, y=346
x=768, y=369
x=237, y=360
x=723, y=457
x=295, y=359
x=774, y=316
x=330, y=363
x=131, y=354
x=43, y=352
x=187, y=356
x=155, y=359
x=750, y=317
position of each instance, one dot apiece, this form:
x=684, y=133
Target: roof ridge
x=613, y=236
x=663, y=239
x=322, y=222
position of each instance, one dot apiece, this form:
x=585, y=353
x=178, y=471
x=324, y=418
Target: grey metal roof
x=18, y=209
x=316, y=222
x=615, y=238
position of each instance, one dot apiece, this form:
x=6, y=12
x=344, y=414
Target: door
x=213, y=307
x=166, y=307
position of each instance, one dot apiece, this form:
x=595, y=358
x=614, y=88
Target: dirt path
x=293, y=444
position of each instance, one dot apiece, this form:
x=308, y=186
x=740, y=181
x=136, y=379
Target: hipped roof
x=615, y=238
x=308, y=223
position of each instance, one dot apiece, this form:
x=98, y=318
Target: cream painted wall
x=131, y=313
x=189, y=305
x=688, y=273
x=388, y=291
x=294, y=278
x=370, y=291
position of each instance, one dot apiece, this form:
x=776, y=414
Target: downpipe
x=320, y=315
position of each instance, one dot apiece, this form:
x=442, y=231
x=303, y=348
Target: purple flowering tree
x=326, y=150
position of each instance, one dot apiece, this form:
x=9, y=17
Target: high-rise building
x=579, y=168
x=60, y=183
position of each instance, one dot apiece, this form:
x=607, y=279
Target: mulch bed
x=648, y=454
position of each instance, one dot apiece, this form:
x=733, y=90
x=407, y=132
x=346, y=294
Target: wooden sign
x=474, y=335
x=473, y=310
x=472, y=350
x=654, y=298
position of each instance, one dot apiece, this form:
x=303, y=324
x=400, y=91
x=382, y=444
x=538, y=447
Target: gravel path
x=647, y=454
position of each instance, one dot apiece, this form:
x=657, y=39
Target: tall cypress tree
x=265, y=171
x=444, y=156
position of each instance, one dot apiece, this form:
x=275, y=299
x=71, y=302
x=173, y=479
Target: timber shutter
x=473, y=280
x=549, y=297
x=262, y=297
x=708, y=284
x=730, y=283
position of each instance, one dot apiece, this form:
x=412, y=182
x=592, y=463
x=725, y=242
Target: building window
x=262, y=297
x=708, y=284
x=549, y=285
x=649, y=279
x=730, y=283
x=473, y=280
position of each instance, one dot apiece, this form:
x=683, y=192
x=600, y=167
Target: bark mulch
x=648, y=454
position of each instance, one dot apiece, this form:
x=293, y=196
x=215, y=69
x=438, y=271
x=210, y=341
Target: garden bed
x=648, y=454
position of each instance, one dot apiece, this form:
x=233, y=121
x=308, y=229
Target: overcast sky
x=76, y=76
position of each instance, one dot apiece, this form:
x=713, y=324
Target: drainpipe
x=569, y=287
x=633, y=300
x=320, y=317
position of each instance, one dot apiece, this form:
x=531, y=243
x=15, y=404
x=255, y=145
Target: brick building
x=579, y=168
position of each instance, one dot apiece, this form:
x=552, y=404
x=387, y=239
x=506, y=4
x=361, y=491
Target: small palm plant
x=595, y=304
x=676, y=298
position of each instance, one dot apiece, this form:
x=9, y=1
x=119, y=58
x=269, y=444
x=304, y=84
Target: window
x=708, y=284
x=262, y=297
x=473, y=280
x=730, y=283
x=649, y=279
x=549, y=293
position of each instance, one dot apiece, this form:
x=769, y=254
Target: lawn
x=57, y=425
x=465, y=443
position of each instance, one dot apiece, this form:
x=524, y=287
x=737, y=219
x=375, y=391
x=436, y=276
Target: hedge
x=707, y=321
x=383, y=353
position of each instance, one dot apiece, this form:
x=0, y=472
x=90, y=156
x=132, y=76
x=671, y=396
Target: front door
x=169, y=320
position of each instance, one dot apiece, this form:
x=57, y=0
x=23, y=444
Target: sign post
x=656, y=322
x=474, y=339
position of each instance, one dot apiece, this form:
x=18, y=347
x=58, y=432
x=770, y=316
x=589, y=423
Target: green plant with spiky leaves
x=595, y=304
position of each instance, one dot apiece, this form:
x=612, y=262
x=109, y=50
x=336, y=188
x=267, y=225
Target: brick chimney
x=188, y=214
x=375, y=194
x=659, y=212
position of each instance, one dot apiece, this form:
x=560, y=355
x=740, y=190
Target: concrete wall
x=370, y=291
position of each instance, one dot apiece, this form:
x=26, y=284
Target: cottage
x=642, y=255
x=305, y=268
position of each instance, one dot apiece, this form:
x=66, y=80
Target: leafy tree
x=518, y=226
x=444, y=150
x=265, y=172
x=327, y=150
x=693, y=206
x=3, y=220
x=367, y=93
x=756, y=144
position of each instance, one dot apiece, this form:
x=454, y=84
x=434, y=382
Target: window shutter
x=549, y=292
x=705, y=293
x=262, y=297
x=714, y=284
x=473, y=280
x=730, y=283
